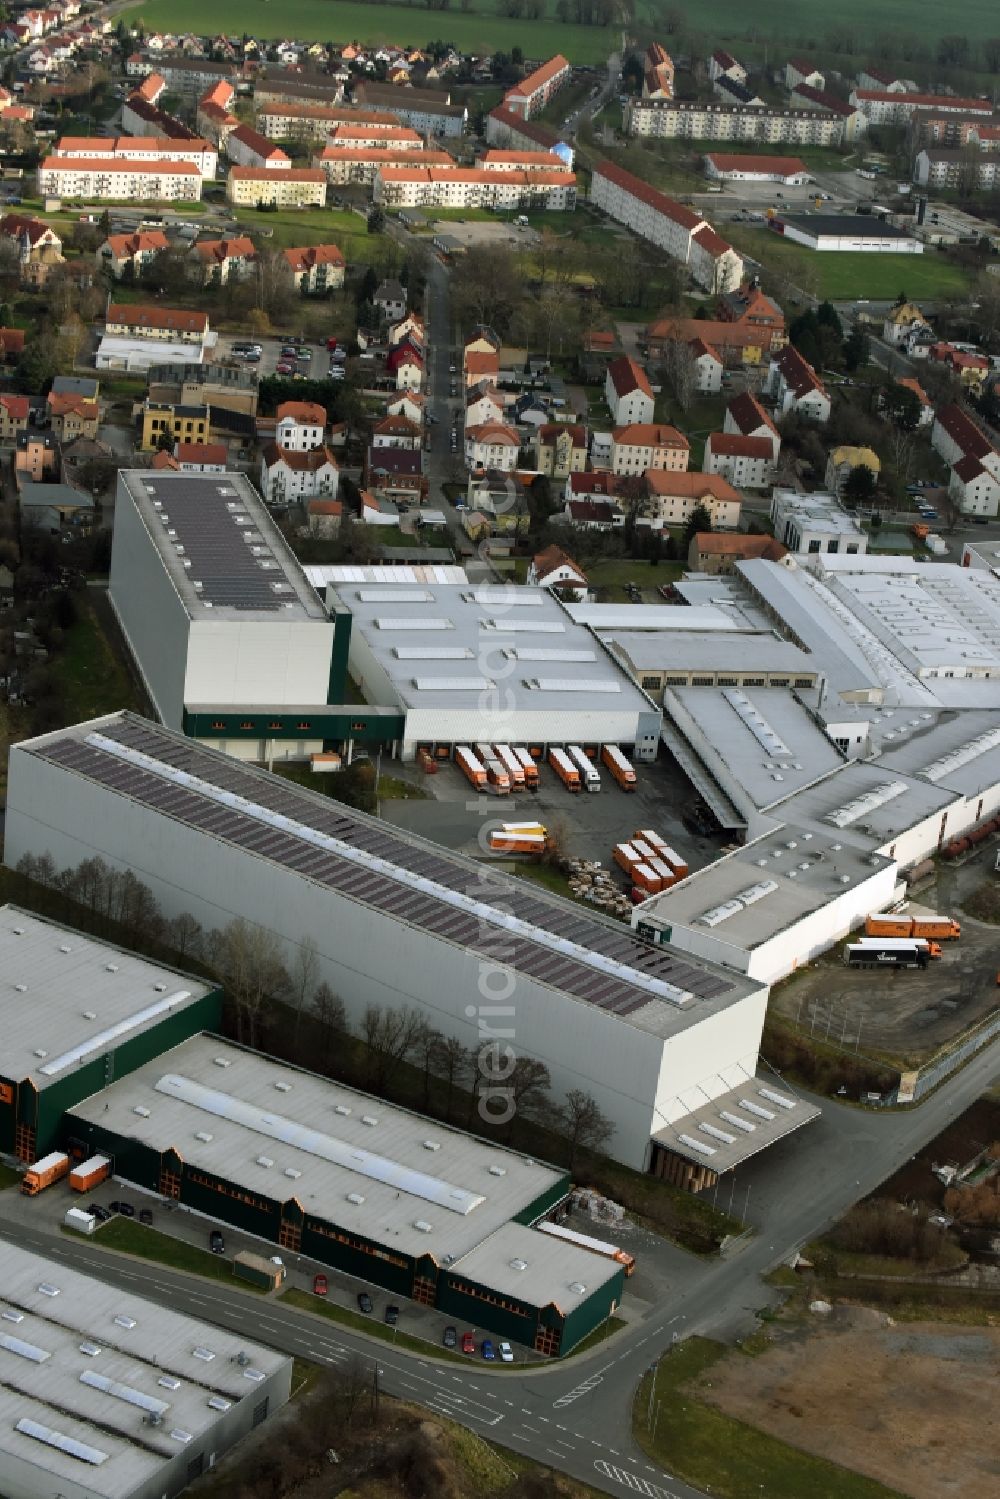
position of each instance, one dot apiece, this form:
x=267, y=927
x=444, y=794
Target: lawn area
x=479, y=30
x=843, y=277
x=796, y=21
x=90, y=677
x=311, y=226
x=130, y=1237
x=712, y=1451
x=8, y=1177
x=612, y=576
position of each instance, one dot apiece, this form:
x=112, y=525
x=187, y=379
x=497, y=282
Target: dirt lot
x=906, y=1014
x=913, y=1406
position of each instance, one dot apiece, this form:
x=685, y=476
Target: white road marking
x=633, y=1483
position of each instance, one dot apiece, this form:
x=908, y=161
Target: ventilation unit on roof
x=204, y=1136
x=254, y=1374
x=181, y=1436
x=223, y=1061
x=293, y=1172
x=356, y=1198
x=90, y=1014
x=65, y=947
x=432, y=1144
x=12, y=1316
x=369, y=1119
x=111, y=967
x=141, y=1110
x=18, y=931
x=90, y=1349
x=205, y=1354
x=265, y=1161
x=341, y=1108
x=577, y=1287
x=422, y=1226
x=498, y=1170
x=283, y=1087
x=169, y=1382
x=23, y=989
x=160, y=988
x=219, y=1403
x=519, y=1264
x=123, y=1320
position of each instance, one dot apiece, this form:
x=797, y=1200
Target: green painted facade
x=334, y=724
x=42, y=1108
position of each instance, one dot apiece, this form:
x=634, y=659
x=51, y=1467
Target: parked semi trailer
x=941, y=928
x=41, y=1174
x=528, y=766
x=90, y=1174
x=589, y=776
x=474, y=771
x=887, y=953
x=565, y=769
x=621, y=770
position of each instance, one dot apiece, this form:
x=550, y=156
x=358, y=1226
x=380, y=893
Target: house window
x=651, y=682
x=260, y=1410
x=359, y=725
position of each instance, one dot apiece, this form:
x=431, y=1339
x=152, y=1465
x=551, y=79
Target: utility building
x=649, y=1034
x=76, y=1015
x=105, y=1395
x=349, y=1180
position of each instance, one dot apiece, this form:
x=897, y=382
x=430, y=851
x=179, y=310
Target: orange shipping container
x=625, y=856
x=89, y=1174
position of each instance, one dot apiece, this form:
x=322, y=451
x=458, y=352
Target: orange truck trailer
x=474, y=772
x=528, y=766
x=937, y=928
x=565, y=769
x=51, y=1168
x=511, y=765
x=90, y=1174
x=616, y=763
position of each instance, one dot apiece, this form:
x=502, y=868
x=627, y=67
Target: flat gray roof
x=716, y=651
x=767, y=1111
x=665, y=617
x=224, y=554
x=283, y=1133
x=520, y=639
x=82, y=1363
x=766, y=740
x=958, y=752
x=792, y=872
x=873, y=802
x=538, y=1268
x=555, y=943
x=68, y=998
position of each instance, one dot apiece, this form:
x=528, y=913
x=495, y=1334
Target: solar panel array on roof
x=595, y=981
x=209, y=527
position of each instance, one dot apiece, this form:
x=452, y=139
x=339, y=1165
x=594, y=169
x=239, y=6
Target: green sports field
x=844, y=276
x=793, y=22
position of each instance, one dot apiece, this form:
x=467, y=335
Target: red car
x=320, y=1287
x=468, y=1343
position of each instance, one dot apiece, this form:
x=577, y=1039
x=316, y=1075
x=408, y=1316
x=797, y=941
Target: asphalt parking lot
x=315, y=368
x=587, y=826
x=480, y=232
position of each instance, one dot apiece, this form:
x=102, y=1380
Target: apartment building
x=220, y=261
x=288, y=477
x=139, y=117
x=141, y=149
x=248, y=148
x=492, y=445
x=887, y=107
x=746, y=462
x=165, y=324
x=805, y=96
x=427, y=111
x=681, y=234
x=718, y=121
x=72, y=415
x=803, y=70
x=259, y=186
x=14, y=412
x=975, y=171
x=657, y=73
x=644, y=445
x=291, y=121
x=399, y=137
x=343, y=166
x=179, y=421
x=474, y=187
x=131, y=254
x=674, y=496
x=529, y=97
x=510, y=131
x=797, y=387
x=628, y=392
x=315, y=268
x=113, y=179
x=191, y=76
x=521, y=161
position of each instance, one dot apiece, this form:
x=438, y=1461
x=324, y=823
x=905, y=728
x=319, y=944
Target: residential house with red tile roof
x=797, y=387
x=628, y=392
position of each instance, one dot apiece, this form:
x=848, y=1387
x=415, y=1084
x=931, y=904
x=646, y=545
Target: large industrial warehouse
x=106, y=1395
x=76, y=1015
x=650, y=1035
x=501, y=664
x=319, y=1169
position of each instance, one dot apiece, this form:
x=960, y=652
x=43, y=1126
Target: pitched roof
x=309, y=413
x=553, y=557
x=594, y=483
x=650, y=434
x=305, y=257
x=627, y=376
x=798, y=373
x=534, y=130
x=728, y=544
x=969, y=468
x=690, y=485
x=221, y=250
x=824, y=99
x=267, y=174
x=495, y=433
x=16, y=407
x=916, y=387
x=654, y=199
x=124, y=246
x=595, y=510
x=308, y=462
x=549, y=431
x=201, y=452
x=396, y=425
x=962, y=429
x=735, y=445
x=700, y=349
x=748, y=414
x=782, y=166
x=15, y=225
x=65, y=403
x=167, y=319
x=259, y=144
x=165, y=460
x=538, y=79
x=119, y=165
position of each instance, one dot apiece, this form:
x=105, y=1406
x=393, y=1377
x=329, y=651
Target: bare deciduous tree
x=390, y=1036
x=304, y=971
x=450, y=1062
x=529, y=1083
x=328, y=1011
x=249, y=958
x=583, y=1124
x=680, y=370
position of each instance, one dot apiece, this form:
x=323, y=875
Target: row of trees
x=284, y=1005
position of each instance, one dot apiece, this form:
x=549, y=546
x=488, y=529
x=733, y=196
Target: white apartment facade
x=112, y=179
x=669, y=225
x=298, y=187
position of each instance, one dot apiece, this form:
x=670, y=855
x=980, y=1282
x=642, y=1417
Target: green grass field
x=797, y=24
x=842, y=277
x=346, y=20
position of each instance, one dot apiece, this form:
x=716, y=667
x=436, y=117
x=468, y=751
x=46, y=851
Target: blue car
x=488, y=1349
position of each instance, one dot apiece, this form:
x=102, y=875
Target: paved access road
x=577, y=1416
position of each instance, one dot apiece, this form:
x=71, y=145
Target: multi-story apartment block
x=259, y=186
x=529, y=97
x=429, y=112
x=116, y=180
x=509, y=131
x=315, y=268
x=291, y=121
x=645, y=445
x=343, y=167
x=248, y=148
x=132, y=253
x=670, y=226
x=166, y=324
x=886, y=107
x=684, y=120
x=957, y=169
x=141, y=149
x=474, y=187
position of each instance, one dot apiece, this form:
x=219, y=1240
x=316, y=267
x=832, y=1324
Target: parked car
x=391, y=1316
x=450, y=1338
x=146, y=1216
x=101, y=1214
x=320, y=1286
x=126, y=1209
x=216, y=1242
x=487, y=1349
x=365, y=1303
x=506, y=1353
x=468, y=1343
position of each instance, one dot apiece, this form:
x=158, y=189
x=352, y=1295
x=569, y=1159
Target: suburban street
x=577, y=1416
